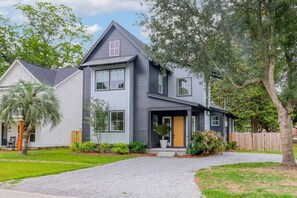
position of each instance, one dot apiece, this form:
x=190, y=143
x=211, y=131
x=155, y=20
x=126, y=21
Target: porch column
x=149, y=129
x=189, y=125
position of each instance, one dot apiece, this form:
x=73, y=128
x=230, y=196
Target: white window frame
x=114, y=48
x=169, y=143
x=215, y=122
x=110, y=117
x=193, y=124
x=178, y=93
x=160, y=84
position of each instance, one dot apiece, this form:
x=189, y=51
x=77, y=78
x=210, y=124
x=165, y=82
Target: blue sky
x=95, y=14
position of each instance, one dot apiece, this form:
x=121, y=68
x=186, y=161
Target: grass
x=269, y=152
x=14, y=166
x=248, y=180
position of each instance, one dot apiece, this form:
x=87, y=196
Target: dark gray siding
x=86, y=102
x=153, y=81
x=126, y=47
x=218, y=128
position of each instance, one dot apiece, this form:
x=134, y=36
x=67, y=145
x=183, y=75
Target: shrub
x=137, y=147
x=75, y=147
x=105, y=147
x=231, y=145
x=120, y=148
x=88, y=147
x=206, y=142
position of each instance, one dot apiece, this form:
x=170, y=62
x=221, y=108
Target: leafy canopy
x=51, y=36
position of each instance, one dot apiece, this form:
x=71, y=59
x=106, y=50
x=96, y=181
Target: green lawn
x=248, y=180
x=268, y=152
x=13, y=165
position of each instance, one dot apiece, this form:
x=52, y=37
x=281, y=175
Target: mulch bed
x=115, y=154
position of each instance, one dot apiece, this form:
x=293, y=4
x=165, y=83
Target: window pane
x=114, y=48
x=185, y=86
x=160, y=84
x=117, y=121
x=117, y=80
x=102, y=80
x=32, y=136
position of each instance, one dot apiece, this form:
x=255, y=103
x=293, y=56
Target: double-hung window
x=117, y=120
x=215, y=121
x=110, y=79
x=114, y=48
x=160, y=84
x=184, y=86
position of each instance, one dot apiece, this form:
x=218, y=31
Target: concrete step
x=166, y=154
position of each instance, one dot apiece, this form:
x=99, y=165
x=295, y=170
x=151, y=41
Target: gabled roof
x=51, y=77
x=135, y=41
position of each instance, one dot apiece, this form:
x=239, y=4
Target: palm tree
x=38, y=103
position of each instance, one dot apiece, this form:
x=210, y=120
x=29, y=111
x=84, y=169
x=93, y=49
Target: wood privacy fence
x=76, y=137
x=257, y=141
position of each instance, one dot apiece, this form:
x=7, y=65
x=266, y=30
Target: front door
x=178, y=131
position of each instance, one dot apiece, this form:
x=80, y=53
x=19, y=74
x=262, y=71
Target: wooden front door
x=178, y=131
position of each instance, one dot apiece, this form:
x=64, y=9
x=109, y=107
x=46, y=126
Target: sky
x=95, y=14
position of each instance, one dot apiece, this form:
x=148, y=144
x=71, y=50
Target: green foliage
x=88, y=147
x=75, y=147
x=162, y=129
x=252, y=105
x=51, y=36
x=231, y=145
x=137, y=147
x=36, y=103
x=120, y=148
x=105, y=147
x=206, y=142
x=98, y=119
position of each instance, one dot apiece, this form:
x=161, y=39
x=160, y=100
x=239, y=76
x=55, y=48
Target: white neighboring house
x=67, y=85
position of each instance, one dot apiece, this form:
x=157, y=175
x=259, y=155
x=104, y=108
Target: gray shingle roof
x=51, y=77
x=113, y=60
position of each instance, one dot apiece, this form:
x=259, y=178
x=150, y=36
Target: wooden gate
x=76, y=137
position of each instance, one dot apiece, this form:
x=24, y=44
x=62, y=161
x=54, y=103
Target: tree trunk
x=254, y=124
x=25, y=140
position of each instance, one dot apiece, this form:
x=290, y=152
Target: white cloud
x=93, y=29
x=81, y=7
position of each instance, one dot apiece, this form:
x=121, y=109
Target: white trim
x=170, y=134
x=67, y=78
x=211, y=123
x=160, y=83
x=13, y=65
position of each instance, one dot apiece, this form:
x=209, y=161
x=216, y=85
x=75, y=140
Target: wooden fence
x=257, y=141
x=76, y=137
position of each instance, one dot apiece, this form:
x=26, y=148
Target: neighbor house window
x=32, y=136
x=114, y=48
x=160, y=84
x=215, y=121
x=110, y=79
x=117, y=121
x=184, y=86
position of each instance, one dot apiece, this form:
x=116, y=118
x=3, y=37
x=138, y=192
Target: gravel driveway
x=139, y=177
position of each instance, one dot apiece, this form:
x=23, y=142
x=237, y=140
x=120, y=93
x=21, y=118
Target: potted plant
x=163, y=130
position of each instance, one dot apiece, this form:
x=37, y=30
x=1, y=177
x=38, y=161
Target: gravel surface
x=143, y=177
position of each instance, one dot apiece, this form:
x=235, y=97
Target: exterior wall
x=15, y=73
x=153, y=81
x=221, y=127
x=119, y=100
x=86, y=99
x=198, y=87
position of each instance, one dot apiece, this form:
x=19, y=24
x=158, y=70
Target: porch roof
x=214, y=107
x=108, y=61
x=179, y=101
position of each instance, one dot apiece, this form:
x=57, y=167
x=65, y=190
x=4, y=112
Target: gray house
x=118, y=70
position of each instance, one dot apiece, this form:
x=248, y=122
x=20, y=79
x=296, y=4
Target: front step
x=166, y=154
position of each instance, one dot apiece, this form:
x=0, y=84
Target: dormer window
x=114, y=48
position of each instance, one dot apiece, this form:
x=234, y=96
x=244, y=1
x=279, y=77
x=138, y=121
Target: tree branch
x=246, y=83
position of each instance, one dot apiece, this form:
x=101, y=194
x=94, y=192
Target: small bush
x=105, y=147
x=231, y=145
x=120, y=148
x=137, y=147
x=75, y=147
x=206, y=142
x=88, y=147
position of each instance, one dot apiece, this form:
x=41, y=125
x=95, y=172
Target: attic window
x=114, y=48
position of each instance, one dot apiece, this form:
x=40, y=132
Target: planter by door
x=163, y=143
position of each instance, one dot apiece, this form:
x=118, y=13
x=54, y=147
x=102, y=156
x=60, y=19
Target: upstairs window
x=110, y=79
x=184, y=86
x=160, y=84
x=215, y=121
x=114, y=48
